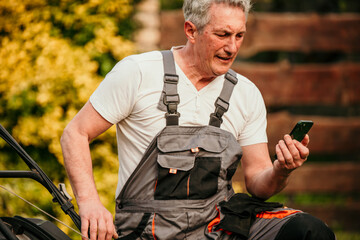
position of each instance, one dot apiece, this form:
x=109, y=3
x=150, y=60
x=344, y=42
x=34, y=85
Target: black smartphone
x=301, y=129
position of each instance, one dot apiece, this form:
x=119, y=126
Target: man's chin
x=222, y=67
x=221, y=71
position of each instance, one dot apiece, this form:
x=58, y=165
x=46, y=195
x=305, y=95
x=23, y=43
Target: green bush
x=53, y=55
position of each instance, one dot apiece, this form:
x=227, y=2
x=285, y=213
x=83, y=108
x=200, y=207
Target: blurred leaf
x=53, y=55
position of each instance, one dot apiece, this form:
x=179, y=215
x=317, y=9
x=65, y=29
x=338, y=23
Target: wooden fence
x=327, y=93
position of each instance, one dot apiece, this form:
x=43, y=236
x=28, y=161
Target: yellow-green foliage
x=53, y=54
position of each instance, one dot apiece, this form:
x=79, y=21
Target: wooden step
x=340, y=177
x=283, y=84
x=303, y=32
x=336, y=217
x=329, y=135
x=280, y=32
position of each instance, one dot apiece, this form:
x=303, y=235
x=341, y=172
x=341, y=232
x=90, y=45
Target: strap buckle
x=221, y=105
x=172, y=118
x=171, y=99
x=215, y=120
x=229, y=76
x=171, y=78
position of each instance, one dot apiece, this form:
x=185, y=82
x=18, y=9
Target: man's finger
x=84, y=228
x=303, y=150
x=290, y=143
x=109, y=229
x=102, y=229
x=93, y=229
x=306, y=140
x=286, y=152
x=279, y=155
x=115, y=235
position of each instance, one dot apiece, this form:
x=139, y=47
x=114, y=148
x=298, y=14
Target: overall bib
x=185, y=172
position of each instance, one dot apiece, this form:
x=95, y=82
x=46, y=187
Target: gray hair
x=197, y=11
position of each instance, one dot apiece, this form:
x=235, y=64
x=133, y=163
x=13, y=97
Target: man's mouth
x=224, y=58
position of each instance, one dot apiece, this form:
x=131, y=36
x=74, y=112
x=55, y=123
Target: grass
x=341, y=235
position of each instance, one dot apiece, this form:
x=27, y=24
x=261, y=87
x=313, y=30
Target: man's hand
x=96, y=220
x=291, y=154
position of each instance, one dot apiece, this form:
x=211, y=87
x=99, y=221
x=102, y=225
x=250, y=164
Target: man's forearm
x=267, y=183
x=78, y=164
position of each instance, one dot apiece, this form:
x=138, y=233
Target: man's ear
x=190, y=31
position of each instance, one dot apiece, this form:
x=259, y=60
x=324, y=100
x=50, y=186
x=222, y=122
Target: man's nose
x=231, y=45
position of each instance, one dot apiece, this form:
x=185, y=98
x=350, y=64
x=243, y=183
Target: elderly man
x=178, y=184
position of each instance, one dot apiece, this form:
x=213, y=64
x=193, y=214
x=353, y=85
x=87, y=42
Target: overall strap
x=170, y=96
x=222, y=102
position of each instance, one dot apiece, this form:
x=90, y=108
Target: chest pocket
x=188, y=166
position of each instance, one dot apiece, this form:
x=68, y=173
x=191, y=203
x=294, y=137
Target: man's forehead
x=222, y=10
x=225, y=16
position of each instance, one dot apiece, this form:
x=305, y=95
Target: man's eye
x=221, y=34
x=239, y=36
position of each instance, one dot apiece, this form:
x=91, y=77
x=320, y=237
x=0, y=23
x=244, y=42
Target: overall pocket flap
x=183, y=163
x=178, y=143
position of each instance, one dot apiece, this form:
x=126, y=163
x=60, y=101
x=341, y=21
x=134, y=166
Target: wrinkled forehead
x=226, y=15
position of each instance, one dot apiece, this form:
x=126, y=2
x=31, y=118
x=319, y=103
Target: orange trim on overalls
x=278, y=214
x=153, y=227
x=155, y=185
x=188, y=187
x=216, y=221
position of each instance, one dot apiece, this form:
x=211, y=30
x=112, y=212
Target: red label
x=195, y=150
x=172, y=170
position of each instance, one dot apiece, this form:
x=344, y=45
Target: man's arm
x=85, y=126
x=263, y=178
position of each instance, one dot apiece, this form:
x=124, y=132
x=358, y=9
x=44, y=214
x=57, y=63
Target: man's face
x=218, y=43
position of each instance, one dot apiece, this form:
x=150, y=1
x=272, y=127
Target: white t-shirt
x=130, y=93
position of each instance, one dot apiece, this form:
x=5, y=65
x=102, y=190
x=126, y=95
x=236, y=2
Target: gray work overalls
x=185, y=172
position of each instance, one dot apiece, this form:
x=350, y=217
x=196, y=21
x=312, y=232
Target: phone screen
x=301, y=129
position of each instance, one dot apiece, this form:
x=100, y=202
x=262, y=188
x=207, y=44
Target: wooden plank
x=317, y=178
x=345, y=216
x=283, y=84
x=281, y=32
x=172, y=29
x=320, y=177
x=329, y=135
x=301, y=32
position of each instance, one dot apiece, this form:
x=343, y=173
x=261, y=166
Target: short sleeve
x=116, y=94
x=254, y=130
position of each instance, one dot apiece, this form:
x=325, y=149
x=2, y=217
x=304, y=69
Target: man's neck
x=186, y=60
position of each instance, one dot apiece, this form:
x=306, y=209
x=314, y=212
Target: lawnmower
x=20, y=228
